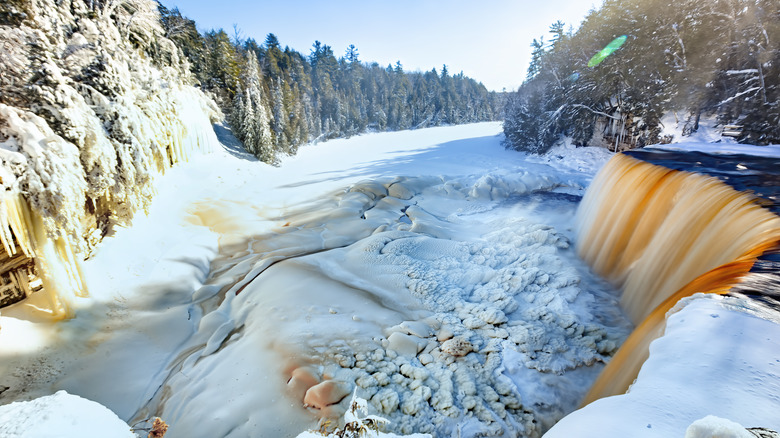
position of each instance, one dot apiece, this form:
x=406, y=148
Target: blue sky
x=487, y=40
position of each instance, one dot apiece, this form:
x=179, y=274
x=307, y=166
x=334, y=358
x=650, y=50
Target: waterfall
x=660, y=235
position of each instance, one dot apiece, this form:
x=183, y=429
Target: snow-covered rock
x=716, y=427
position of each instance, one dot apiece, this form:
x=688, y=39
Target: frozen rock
x=386, y=400
x=414, y=372
x=412, y=404
x=366, y=381
x=472, y=322
x=400, y=191
x=417, y=328
x=404, y=344
x=444, y=334
x=301, y=380
x=371, y=188
x=491, y=315
x=381, y=378
x=457, y=347
x=326, y=393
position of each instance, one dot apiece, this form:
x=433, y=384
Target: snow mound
x=61, y=415
x=716, y=427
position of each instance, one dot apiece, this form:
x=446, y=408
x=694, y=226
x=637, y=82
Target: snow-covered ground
x=708, y=139
x=430, y=272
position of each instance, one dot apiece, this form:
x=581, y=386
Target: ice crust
x=418, y=310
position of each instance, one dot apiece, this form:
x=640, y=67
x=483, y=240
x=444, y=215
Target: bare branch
x=577, y=105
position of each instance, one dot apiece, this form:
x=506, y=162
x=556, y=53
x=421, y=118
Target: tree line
x=690, y=58
x=276, y=99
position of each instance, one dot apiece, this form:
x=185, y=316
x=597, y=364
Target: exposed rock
x=457, y=347
x=326, y=393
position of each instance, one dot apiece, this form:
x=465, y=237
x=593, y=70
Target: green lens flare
x=606, y=51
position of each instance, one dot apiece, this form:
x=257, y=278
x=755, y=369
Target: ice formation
x=96, y=103
x=412, y=303
x=358, y=424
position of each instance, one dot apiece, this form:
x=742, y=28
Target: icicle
x=56, y=263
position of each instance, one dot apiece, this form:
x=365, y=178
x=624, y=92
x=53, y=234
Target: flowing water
x=661, y=233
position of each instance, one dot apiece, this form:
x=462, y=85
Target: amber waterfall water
x=661, y=235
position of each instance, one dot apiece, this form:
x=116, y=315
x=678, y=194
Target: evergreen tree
x=689, y=57
x=223, y=71
x=352, y=54
x=537, y=53
x=184, y=33
x=528, y=127
x=279, y=120
x=557, y=31
x=250, y=118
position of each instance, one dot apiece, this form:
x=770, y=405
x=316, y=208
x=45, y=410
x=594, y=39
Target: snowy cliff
x=94, y=103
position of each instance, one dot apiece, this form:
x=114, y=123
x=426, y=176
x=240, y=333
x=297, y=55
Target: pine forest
x=277, y=99
x=633, y=62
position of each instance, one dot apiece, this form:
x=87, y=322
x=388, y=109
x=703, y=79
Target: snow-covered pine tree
x=251, y=119
x=527, y=126
x=280, y=116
